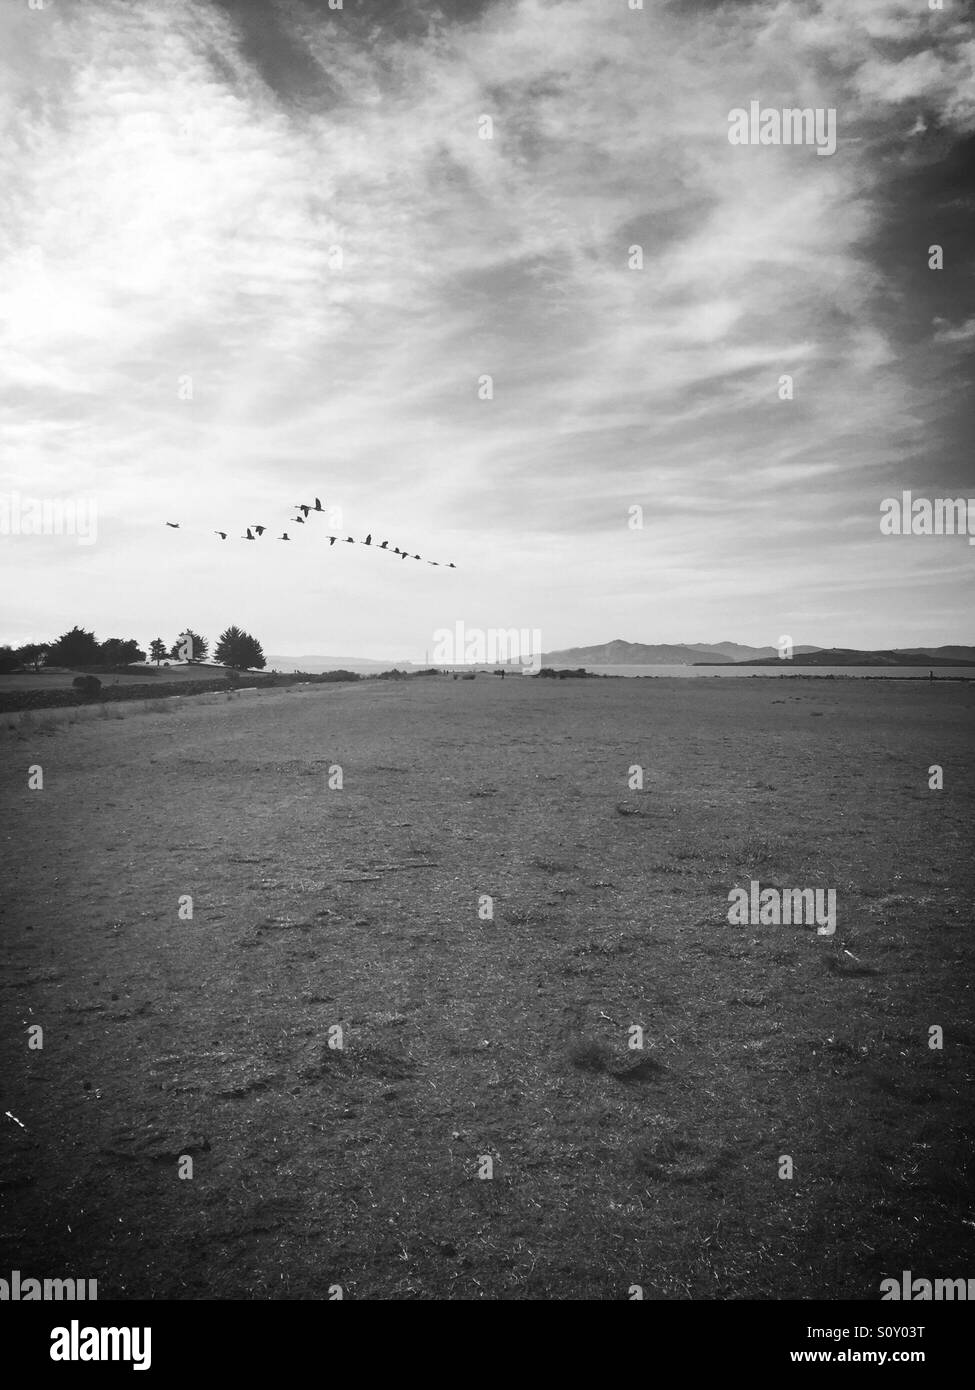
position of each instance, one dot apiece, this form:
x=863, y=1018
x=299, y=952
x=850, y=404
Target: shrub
x=87, y=686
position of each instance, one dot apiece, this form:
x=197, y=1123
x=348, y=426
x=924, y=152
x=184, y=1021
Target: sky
x=259, y=251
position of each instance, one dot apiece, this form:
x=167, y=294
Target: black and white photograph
x=588, y=921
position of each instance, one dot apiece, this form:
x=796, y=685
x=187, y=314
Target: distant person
x=930, y=675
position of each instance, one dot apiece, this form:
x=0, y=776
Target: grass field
x=60, y=677
x=464, y=1037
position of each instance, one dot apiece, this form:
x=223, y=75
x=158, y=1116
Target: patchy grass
x=511, y=1039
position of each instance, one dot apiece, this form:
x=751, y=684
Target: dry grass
x=508, y=1038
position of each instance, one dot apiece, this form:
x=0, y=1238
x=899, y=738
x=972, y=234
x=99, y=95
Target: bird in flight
x=302, y=511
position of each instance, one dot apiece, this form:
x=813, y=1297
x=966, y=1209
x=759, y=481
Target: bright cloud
x=255, y=253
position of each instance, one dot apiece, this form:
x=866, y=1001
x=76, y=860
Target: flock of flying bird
x=254, y=532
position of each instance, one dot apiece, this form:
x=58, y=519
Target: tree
x=240, y=650
x=189, y=646
x=74, y=648
x=157, y=650
x=118, y=651
x=33, y=654
x=9, y=659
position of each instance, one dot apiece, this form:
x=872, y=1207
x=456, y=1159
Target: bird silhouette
x=433, y=562
x=318, y=504
x=285, y=537
x=368, y=539
x=350, y=540
x=300, y=520
x=221, y=534
x=417, y=557
x=173, y=524
x=402, y=555
x=451, y=566
x=384, y=545
x=248, y=537
x=302, y=507
x=332, y=540
x=260, y=530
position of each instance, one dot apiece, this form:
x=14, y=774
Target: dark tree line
x=80, y=648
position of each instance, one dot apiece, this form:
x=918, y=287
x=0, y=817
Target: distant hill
x=847, y=656
x=620, y=653
x=953, y=654
x=315, y=664
x=736, y=651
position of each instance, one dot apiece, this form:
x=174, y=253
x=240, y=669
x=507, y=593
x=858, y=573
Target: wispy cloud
x=291, y=209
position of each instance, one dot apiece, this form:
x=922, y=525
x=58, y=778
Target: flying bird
x=332, y=540
x=221, y=534
x=300, y=520
x=302, y=507
x=384, y=545
x=285, y=537
x=350, y=540
x=318, y=504
x=248, y=537
x=368, y=539
x=260, y=530
x=173, y=524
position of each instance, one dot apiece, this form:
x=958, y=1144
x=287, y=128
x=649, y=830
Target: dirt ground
x=466, y=1038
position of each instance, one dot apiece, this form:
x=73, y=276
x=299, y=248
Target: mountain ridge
x=619, y=652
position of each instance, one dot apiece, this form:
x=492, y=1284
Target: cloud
x=292, y=209
x=946, y=332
